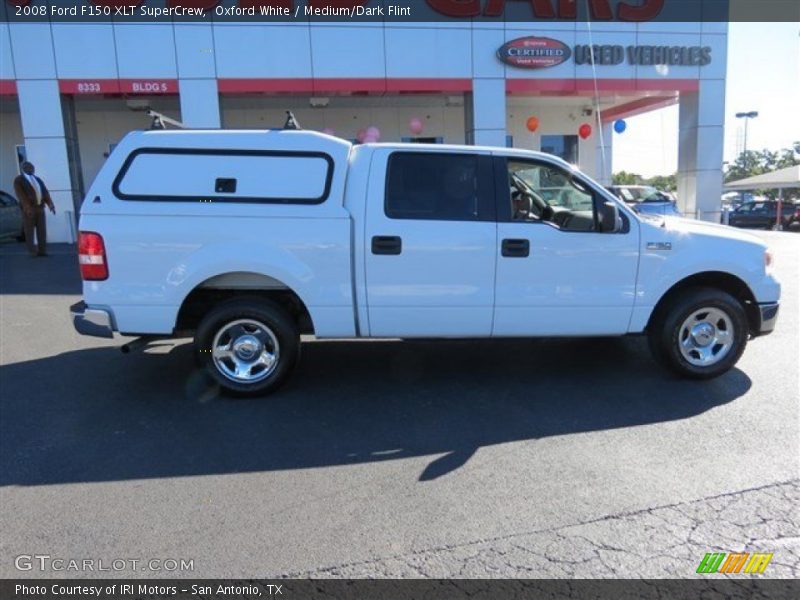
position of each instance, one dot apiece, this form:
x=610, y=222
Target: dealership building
x=70, y=91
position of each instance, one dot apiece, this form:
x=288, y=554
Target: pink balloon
x=361, y=135
x=373, y=133
x=328, y=131
x=415, y=125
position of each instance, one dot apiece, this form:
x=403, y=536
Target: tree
x=665, y=183
x=625, y=178
x=758, y=162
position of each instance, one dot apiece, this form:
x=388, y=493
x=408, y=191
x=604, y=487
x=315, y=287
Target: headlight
x=768, y=259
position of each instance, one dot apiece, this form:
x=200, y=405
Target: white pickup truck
x=248, y=239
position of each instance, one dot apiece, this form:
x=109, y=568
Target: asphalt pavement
x=520, y=458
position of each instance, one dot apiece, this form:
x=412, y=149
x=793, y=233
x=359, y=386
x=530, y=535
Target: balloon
x=620, y=125
x=532, y=124
x=328, y=131
x=373, y=134
x=361, y=135
x=585, y=131
x=415, y=125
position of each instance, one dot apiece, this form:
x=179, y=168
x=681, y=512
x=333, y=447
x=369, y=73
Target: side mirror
x=610, y=221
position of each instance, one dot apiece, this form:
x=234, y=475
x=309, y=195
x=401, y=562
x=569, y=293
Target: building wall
x=193, y=60
x=103, y=122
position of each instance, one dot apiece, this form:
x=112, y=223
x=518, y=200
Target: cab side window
x=544, y=193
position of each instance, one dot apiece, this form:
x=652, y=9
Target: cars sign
x=534, y=52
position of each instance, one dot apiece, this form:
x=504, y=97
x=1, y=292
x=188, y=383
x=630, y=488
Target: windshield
x=643, y=193
x=553, y=186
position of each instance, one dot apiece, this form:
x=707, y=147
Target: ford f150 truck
x=248, y=239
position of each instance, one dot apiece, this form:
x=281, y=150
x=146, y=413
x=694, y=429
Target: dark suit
x=33, y=212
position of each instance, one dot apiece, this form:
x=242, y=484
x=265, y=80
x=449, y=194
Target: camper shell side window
x=220, y=175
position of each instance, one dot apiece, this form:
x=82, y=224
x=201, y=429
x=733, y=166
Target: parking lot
x=520, y=458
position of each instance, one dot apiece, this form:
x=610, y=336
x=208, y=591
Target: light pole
x=746, y=116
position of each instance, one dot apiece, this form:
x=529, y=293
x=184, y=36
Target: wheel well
x=203, y=298
x=721, y=281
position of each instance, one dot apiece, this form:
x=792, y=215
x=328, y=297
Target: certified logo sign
x=534, y=52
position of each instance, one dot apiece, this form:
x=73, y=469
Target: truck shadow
x=97, y=415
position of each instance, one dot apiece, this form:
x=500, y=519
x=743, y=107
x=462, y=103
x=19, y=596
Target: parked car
x=10, y=216
x=764, y=215
x=793, y=222
x=731, y=200
x=248, y=239
x=646, y=199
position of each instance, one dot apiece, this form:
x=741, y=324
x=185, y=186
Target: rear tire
x=249, y=347
x=701, y=334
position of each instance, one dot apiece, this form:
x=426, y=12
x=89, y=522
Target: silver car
x=10, y=217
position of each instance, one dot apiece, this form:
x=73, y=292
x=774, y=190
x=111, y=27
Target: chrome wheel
x=706, y=337
x=245, y=351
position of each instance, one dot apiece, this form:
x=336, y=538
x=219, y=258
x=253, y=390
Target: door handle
x=513, y=248
x=387, y=244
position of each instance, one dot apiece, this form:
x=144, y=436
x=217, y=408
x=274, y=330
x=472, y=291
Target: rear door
x=431, y=237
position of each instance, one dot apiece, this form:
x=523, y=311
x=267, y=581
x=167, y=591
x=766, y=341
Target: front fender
x=670, y=256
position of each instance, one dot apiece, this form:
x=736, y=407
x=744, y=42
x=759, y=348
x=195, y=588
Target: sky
x=763, y=75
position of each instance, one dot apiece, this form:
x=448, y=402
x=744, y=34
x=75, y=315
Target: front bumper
x=91, y=321
x=769, y=316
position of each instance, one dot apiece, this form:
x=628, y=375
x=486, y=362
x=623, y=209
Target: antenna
x=291, y=122
x=161, y=121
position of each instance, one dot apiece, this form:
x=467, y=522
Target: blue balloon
x=620, y=125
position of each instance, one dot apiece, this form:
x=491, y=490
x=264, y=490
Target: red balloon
x=532, y=124
x=585, y=131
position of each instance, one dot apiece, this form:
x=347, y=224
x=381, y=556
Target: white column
x=485, y=112
x=199, y=103
x=197, y=73
x=700, y=150
x=603, y=153
x=46, y=145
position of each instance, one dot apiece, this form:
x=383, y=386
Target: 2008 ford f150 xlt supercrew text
x=248, y=239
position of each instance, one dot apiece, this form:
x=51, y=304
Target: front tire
x=249, y=347
x=701, y=334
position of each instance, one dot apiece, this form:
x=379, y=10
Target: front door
x=557, y=274
x=431, y=236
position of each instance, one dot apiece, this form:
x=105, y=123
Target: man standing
x=33, y=195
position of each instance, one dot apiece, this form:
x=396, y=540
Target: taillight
x=797, y=214
x=92, y=256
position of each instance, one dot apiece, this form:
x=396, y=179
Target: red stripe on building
x=265, y=86
x=88, y=86
x=345, y=86
x=117, y=86
x=667, y=85
x=148, y=86
x=428, y=85
x=587, y=87
x=8, y=87
x=537, y=87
